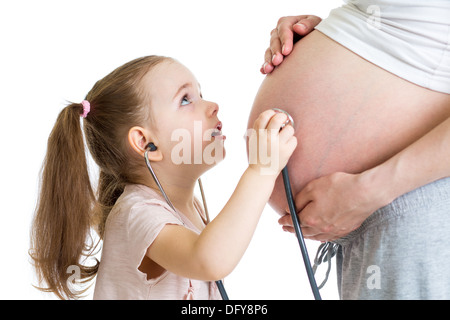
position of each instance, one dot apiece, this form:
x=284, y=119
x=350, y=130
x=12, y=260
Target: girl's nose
x=213, y=109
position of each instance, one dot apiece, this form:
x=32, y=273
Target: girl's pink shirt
x=132, y=225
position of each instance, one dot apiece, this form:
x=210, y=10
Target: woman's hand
x=332, y=206
x=282, y=38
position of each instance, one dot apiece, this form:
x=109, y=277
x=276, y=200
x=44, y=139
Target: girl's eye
x=185, y=101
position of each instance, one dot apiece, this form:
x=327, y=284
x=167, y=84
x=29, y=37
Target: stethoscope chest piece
x=288, y=121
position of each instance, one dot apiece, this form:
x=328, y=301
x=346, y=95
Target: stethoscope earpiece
x=151, y=147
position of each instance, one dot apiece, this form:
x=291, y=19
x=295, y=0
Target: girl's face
x=188, y=129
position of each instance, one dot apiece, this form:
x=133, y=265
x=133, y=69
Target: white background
x=54, y=51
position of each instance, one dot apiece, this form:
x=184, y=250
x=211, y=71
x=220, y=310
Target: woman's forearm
x=424, y=161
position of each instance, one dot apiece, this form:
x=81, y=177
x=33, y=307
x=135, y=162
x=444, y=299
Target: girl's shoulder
x=139, y=202
x=136, y=195
x=140, y=208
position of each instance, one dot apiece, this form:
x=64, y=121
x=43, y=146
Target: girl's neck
x=178, y=182
x=179, y=188
x=182, y=198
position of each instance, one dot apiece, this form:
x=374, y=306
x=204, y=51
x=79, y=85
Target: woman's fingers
x=283, y=38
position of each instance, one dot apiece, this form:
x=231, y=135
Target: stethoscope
x=151, y=147
x=290, y=200
x=296, y=221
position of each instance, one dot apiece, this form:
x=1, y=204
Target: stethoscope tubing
x=299, y=234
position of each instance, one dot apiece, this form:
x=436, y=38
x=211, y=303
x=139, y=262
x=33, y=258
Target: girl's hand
x=269, y=147
x=332, y=206
x=282, y=38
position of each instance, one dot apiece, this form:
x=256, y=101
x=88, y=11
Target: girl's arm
x=216, y=251
x=332, y=206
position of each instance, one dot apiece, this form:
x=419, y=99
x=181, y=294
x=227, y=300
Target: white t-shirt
x=409, y=38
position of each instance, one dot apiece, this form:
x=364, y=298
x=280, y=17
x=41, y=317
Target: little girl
x=150, y=251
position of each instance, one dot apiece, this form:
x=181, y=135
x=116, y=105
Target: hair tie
x=86, y=108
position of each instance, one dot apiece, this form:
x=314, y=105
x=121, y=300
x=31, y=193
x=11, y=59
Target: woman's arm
x=332, y=206
x=216, y=251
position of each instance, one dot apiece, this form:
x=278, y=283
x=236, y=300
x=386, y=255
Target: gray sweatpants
x=402, y=251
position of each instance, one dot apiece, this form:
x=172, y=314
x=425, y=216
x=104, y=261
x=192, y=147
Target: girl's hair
x=68, y=207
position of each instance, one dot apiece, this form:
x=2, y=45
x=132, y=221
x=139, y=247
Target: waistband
x=418, y=199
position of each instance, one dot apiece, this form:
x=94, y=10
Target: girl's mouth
x=218, y=131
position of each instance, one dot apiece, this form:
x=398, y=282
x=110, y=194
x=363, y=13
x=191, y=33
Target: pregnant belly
x=349, y=114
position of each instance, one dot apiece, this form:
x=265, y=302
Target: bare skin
x=350, y=116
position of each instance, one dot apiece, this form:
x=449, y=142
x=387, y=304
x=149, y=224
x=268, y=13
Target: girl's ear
x=139, y=138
